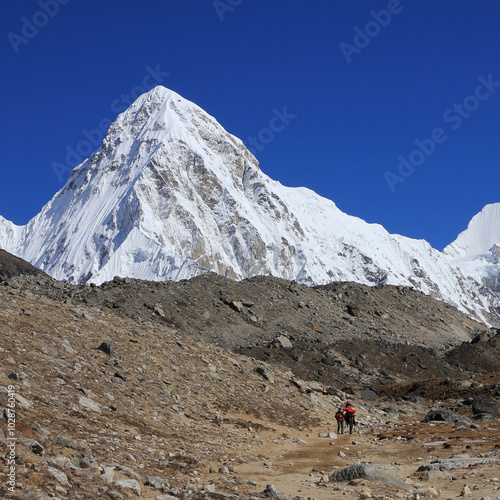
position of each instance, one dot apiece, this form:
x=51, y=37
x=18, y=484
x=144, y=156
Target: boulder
x=282, y=341
x=89, y=404
x=272, y=491
x=440, y=416
x=130, y=484
x=482, y=406
x=354, y=310
x=366, y=394
x=364, y=471
x=106, y=348
x=267, y=374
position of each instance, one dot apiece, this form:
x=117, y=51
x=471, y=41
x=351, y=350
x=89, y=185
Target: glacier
x=170, y=194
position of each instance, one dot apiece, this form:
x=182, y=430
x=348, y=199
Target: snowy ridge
x=476, y=251
x=170, y=195
x=482, y=233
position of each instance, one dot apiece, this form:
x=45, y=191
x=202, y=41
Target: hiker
x=339, y=416
x=349, y=412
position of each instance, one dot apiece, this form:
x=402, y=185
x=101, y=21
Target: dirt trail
x=299, y=468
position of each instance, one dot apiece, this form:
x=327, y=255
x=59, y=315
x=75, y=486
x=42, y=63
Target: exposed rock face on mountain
x=171, y=195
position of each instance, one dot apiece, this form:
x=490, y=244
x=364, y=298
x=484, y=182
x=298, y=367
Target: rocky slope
x=120, y=392
x=323, y=333
x=171, y=195
x=10, y=266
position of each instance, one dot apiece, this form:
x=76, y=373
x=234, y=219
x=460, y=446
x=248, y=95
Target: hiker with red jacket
x=349, y=412
x=339, y=416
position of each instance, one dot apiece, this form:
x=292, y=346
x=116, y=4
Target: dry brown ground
x=399, y=449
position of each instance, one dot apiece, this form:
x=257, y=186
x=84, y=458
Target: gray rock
x=130, y=472
x=456, y=463
x=28, y=495
x=108, y=475
x=33, y=446
x=366, y=394
x=282, y=341
x=115, y=494
x=59, y=476
x=65, y=343
x=66, y=442
x=267, y=374
x=158, y=310
x=316, y=387
x=271, y=491
x=165, y=497
x=106, y=348
x=236, y=305
x=89, y=404
x=63, y=463
x=155, y=482
x=130, y=484
x=486, y=406
x=363, y=471
x=441, y=416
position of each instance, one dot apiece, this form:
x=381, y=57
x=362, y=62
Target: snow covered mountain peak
x=482, y=233
x=170, y=194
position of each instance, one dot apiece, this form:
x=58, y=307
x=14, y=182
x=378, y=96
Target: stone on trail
x=458, y=462
x=271, y=491
x=466, y=492
x=430, y=492
x=363, y=471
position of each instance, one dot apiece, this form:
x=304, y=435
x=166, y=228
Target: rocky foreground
x=216, y=389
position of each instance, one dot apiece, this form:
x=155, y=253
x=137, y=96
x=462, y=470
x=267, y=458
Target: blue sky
x=393, y=106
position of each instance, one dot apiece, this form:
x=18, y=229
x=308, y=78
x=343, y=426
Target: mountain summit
x=482, y=235
x=170, y=195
